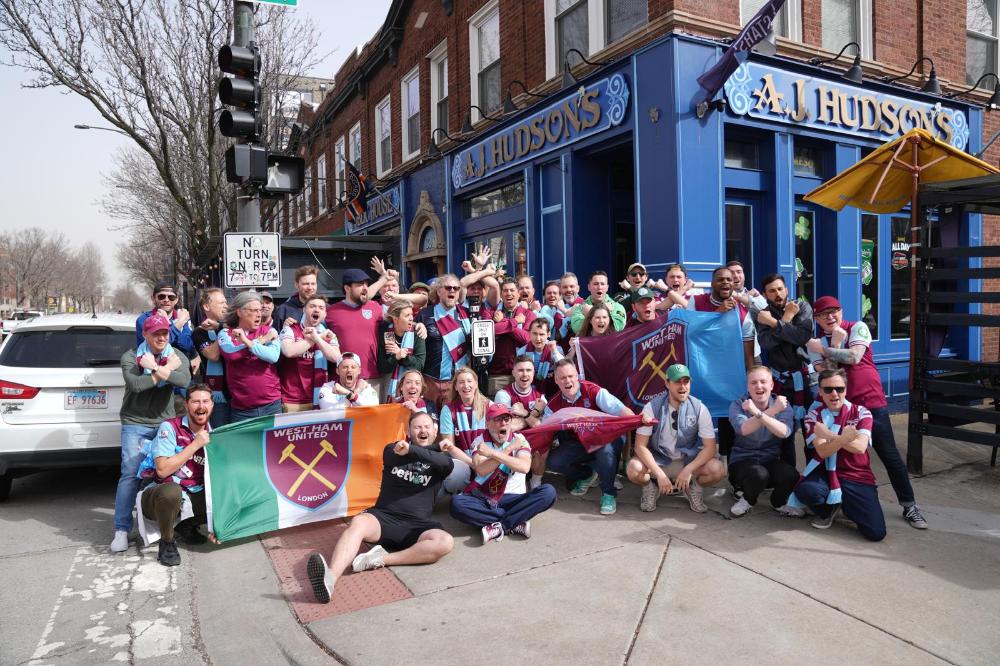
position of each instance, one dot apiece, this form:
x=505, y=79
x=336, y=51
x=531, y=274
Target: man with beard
x=783, y=328
x=497, y=500
x=750, y=298
x=721, y=300
x=526, y=293
x=400, y=523
x=635, y=277
x=847, y=345
x=349, y=389
x=174, y=471
x=307, y=347
x=165, y=304
x=511, y=322
x=205, y=338
x=448, y=330
x=355, y=321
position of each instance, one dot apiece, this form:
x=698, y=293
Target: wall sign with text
x=773, y=94
x=381, y=207
x=252, y=260
x=585, y=112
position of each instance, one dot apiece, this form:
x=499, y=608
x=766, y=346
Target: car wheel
x=6, y=480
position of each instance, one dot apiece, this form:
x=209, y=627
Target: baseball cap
x=826, y=303
x=419, y=285
x=266, y=295
x=349, y=356
x=678, y=371
x=354, y=275
x=164, y=285
x=641, y=294
x=496, y=410
x=155, y=323
x=636, y=265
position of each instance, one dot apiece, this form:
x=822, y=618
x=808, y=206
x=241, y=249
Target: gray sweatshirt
x=144, y=402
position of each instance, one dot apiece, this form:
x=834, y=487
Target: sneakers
x=581, y=487
x=168, y=555
x=650, y=493
x=740, y=508
x=791, y=511
x=522, y=529
x=619, y=483
x=695, y=497
x=320, y=578
x=190, y=534
x=373, y=559
x=120, y=543
x=825, y=523
x=492, y=532
x=914, y=517
x=609, y=504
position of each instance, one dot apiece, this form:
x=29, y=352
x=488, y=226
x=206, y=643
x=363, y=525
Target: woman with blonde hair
x=463, y=420
x=410, y=394
x=399, y=348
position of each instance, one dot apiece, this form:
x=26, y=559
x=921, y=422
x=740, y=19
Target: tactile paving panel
x=290, y=548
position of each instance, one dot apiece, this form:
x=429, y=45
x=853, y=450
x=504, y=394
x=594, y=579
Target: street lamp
x=854, y=74
x=508, y=101
x=433, y=151
x=931, y=85
x=994, y=99
x=106, y=129
x=467, y=123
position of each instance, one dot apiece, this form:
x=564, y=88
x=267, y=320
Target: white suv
x=61, y=388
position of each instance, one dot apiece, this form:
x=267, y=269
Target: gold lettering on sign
x=768, y=95
x=522, y=138
x=470, y=168
x=495, y=158
x=801, y=109
x=537, y=132
x=571, y=110
x=482, y=162
x=849, y=110
x=890, y=122
x=926, y=122
x=589, y=104
x=943, y=122
x=870, y=112
x=508, y=147
x=554, y=118
x=829, y=112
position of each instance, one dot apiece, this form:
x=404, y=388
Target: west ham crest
x=651, y=356
x=308, y=464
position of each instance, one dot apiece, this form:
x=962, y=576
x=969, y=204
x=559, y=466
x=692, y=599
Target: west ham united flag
x=278, y=471
x=633, y=364
x=357, y=193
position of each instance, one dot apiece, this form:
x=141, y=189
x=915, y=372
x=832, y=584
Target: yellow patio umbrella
x=888, y=179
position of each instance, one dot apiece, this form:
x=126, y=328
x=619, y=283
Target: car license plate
x=86, y=399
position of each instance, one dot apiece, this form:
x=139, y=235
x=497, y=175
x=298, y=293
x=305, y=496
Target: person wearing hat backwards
x=847, y=345
x=151, y=373
x=497, y=499
x=678, y=452
x=643, y=302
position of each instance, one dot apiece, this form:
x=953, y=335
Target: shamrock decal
x=802, y=230
x=866, y=306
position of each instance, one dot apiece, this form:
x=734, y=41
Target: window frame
x=404, y=120
x=355, y=146
x=792, y=9
x=438, y=55
x=994, y=38
x=340, y=154
x=379, y=138
x=597, y=31
x=307, y=194
x=476, y=21
x=865, y=38
x=321, y=189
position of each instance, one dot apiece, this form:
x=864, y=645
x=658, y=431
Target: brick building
x=608, y=162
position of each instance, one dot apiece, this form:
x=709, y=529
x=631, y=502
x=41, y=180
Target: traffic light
x=241, y=90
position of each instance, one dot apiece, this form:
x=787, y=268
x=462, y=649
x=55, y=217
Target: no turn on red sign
x=252, y=260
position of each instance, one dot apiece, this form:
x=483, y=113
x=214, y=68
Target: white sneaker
x=120, y=543
x=650, y=493
x=492, y=532
x=522, y=529
x=791, y=511
x=373, y=559
x=740, y=508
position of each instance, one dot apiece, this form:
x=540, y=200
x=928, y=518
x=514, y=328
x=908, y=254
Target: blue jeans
x=220, y=410
x=884, y=443
x=573, y=461
x=270, y=409
x=128, y=482
x=511, y=511
x=859, y=502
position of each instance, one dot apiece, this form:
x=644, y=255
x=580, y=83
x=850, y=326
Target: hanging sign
x=252, y=260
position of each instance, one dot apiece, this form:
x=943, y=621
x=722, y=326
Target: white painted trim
x=477, y=19
x=865, y=29
x=404, y=103
x=385, y=101
x=352, y=158
x=307, y=194
x=437, y=54
x=550, y=39
x=322, y=184
x=793, y=16
x=596, y=12
x=339, y=167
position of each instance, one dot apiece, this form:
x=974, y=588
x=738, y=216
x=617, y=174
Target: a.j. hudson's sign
x=585, y=112
x=777, y=95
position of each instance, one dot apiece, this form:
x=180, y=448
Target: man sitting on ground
x=496, y=499
x=761, y=421
x=400, y=521
x=174, y=470
x=680, y=445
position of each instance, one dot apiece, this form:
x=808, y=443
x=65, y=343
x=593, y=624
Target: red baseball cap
x=496, y=410
x=155, y=323
x=826, y=303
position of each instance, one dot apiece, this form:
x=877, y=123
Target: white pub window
x=383, y=136
x=410, y=113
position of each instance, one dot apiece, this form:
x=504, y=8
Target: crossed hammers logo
x=657, y=370
x=308, y=469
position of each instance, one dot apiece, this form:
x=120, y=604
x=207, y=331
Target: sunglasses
x=450, y=287
x=673, y=421
x=830, y=389
x=503, y=419
x=636, y=274
x=166, y=297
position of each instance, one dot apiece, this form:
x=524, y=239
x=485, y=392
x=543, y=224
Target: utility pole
x=248, y=201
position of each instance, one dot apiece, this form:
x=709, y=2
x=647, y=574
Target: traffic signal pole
x=248, y=199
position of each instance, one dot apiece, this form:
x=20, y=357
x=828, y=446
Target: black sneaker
x=822, y=523
x=168, y=555
x=914, y=517
x=319, y=578
x=190, y=534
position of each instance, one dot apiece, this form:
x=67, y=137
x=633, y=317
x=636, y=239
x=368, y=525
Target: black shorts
x=400, y=533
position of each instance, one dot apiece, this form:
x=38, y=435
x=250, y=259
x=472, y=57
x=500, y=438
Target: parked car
x=61, y=389
x=17, y=318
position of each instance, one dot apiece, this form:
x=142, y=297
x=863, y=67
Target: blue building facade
x=618, y=168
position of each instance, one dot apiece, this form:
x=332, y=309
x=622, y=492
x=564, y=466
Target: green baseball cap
x=641, y=294
x=678, y=371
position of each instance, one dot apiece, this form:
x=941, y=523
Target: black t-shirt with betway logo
x=410, y=482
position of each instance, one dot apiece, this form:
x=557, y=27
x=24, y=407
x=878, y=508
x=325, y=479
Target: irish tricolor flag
x=278, y=471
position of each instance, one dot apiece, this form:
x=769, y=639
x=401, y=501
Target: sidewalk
x=677, y=587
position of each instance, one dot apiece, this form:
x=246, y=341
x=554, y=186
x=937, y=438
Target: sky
x=54, y=175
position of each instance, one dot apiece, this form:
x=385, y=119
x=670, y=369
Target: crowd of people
x=807, y=370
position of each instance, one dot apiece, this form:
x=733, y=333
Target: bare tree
x=149, y=69
x=125, y=298
x=84, y=278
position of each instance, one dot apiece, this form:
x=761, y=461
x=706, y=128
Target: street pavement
x=667, y=587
